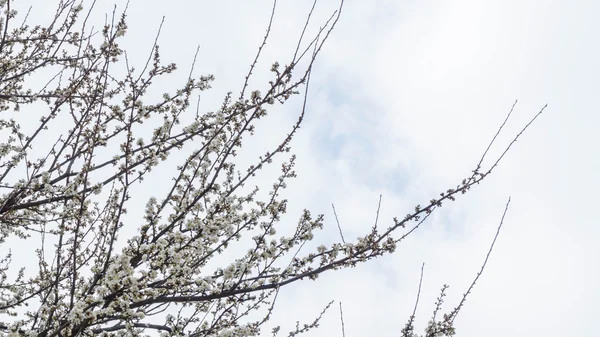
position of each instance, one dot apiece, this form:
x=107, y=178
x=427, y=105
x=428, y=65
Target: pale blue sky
x=404, y=99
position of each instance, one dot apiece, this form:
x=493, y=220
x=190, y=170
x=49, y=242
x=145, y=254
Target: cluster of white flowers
x=238, y=331
x=76, y=315
x=192, y=128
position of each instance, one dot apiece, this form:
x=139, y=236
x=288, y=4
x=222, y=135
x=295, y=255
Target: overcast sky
x=403, y=101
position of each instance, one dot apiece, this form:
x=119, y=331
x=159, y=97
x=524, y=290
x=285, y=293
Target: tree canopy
x=69, y=178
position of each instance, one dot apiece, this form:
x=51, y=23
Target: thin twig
x=457, y=309
x=516, y=138
x=303, y=31
x=496, y=135
x=260, y=48
x=408, y=329
x=342, y=319
x=153, y=50
x=377, y=216
x=338, y=223
x=419, y=291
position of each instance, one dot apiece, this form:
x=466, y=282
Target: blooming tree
x=91, y=277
